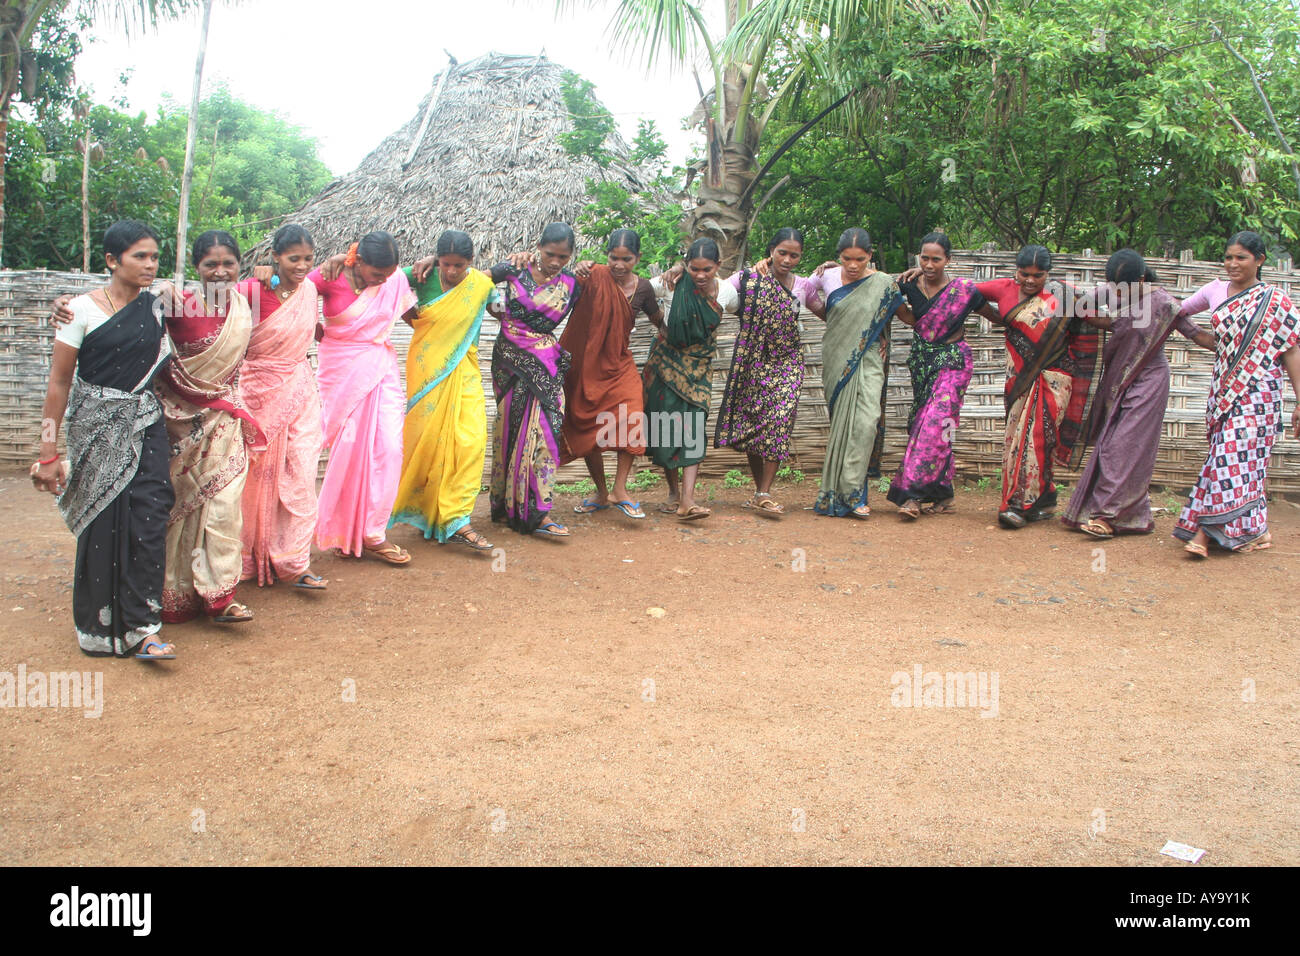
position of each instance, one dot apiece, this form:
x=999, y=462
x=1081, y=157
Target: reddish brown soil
x=537, y=714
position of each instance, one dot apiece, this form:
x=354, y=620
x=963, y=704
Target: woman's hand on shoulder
x=583, y=269
x=673, y=276
x=420, y=271
x=910, y=275
x=332, y=267
x=821, y=269
x=520, y=261
x=263, y=274
x=60, y=311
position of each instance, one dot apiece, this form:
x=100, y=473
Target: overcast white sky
x=350, y=73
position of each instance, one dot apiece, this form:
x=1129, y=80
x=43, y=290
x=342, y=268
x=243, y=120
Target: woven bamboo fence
x=24, y=366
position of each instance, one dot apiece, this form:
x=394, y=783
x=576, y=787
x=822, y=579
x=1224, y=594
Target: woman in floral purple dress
x=762, y=395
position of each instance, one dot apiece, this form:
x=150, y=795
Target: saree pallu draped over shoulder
x=1127, y=419
x=1243, y=417
x=853, y=369
x=762, y=394
x=209, y=430
x=603, y=402
x=1051, y=382
x=528, y=369
x=362, y=405
x=940, y=371
x=678, y=378
x=119, y=492
x=278, y=388
x=446, y=416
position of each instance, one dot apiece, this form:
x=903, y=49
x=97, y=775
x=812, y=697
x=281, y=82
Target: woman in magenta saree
x=941, y=364
x=528, y=369
x=279, y=389
x=1256, y=331
x=362, y=399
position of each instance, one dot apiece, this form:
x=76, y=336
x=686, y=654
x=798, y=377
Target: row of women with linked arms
x=186, y=476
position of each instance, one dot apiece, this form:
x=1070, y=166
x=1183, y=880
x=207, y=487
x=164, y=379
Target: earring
x=275, y=277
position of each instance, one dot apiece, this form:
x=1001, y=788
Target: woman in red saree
x=209, y=429
x=278, y=387
x=1257, y=330
x=1052, y=362
x=362, y=399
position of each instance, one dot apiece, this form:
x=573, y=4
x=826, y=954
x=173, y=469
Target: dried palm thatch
x=482, y=154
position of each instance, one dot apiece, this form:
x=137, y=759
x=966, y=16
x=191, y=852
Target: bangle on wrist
x=48, y=461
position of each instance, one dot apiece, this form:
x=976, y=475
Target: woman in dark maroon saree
x=116, y=494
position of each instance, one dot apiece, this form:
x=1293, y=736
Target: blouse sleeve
x=501, y=271
x=657, y=287
x=644, y=299
x=316, y=279
x=75, y=331
x=728, y=298
x=734, y=280
x=1199, y=301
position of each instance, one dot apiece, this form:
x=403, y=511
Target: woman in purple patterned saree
x=1128, y=413
x=528, y=368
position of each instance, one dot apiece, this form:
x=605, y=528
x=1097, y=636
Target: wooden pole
x=187, y=177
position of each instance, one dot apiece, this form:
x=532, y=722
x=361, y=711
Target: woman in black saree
x=114, y=491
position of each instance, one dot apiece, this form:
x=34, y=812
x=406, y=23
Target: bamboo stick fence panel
x=27, y=342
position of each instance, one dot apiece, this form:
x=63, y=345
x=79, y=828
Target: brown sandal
x=910, y=509
x=390, y=552
x=1262, y=543
x=764, y=504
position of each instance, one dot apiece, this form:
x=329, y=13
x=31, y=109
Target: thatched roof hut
x=481, y=154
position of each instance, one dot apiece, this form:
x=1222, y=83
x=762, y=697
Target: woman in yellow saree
x=445, y=435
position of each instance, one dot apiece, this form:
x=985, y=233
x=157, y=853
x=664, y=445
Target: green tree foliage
x=592, y=123
x=250, y=168
x=652, y=214
x=1074, y=123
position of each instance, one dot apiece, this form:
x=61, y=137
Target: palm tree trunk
x=187, y=176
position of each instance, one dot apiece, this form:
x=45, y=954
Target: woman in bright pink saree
x=279, y=389
x=362, y=399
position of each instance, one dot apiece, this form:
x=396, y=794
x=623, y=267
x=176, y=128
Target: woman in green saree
x=860, y=303
x=677, y=374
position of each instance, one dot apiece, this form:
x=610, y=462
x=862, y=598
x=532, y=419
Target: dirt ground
x=525, y=708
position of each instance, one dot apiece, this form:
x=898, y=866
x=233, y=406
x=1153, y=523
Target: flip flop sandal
x=1196, y=550
x=391, y=553
x=1262, y=543
x=589, y=507
x=668, y=508
x=860, y=515
x=476, y=543
x=910, y=509
x=1097, y=529
x=939, y=508
x=310, y=582
x=764, y=505
x=225, y=617
x=144, y=655
x=628, y=507
x=545, y=531
x=695, y=514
